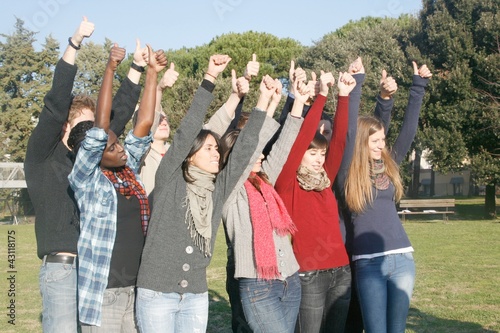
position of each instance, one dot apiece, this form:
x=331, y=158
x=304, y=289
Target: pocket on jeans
x=109, y=298
x=259, y=290
x=58, y=274
x=146, y=295
x=346, y=269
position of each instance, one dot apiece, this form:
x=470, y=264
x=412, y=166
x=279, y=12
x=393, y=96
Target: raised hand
x=161, y=60
x=252, y=68
x=240, y=85
x=168, y=79
x=314, y=86
x=275, y=98
x=116, y=55
x=295, y=75
x=266, y=88
x=346, y=83
x=388, y=85
x=278, y=87
x=140, y=54
x=216, y=65
x=301, y=91
x=356, y=67
x=85, y=30
x=326, y=80
x=423, y=71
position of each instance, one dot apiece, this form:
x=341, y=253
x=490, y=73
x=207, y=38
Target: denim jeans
x=325, y=300
x=117, y=312
x=385, y=285
x=59, y=297
x=271, y=305
x=159, y=312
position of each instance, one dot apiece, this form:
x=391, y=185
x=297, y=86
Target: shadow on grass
x=219, y=313
x=421, y=322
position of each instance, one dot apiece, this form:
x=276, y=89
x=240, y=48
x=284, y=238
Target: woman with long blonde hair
x=384, y=270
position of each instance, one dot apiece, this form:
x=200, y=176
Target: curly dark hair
x=77, y=135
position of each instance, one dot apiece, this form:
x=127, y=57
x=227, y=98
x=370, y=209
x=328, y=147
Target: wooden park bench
x=426, y=206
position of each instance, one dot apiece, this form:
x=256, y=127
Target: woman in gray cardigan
x=187, y=200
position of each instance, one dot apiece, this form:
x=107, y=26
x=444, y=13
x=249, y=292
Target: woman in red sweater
x=305, y=187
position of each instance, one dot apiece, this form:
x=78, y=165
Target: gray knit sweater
x=236, y=212
x=170, y=260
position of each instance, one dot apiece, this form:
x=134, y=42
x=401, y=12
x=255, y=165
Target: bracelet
x=207, y=73
x=138, y=68
x=70, y=42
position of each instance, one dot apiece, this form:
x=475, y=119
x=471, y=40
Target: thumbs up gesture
x=388, y=85
x=85, y=30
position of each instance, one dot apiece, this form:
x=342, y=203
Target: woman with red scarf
x=258, y=227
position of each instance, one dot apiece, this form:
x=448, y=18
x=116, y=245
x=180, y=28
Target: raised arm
x=410, y=122
x=241, y=85
x=103, y=109
x=294, y=74
x=357, y=70
x=229, y=113
x=346, y=84
x=167, y=81
x=57, y=102
x=221, y=120
x=85, y=30
x=146, y=114
x=127, y=96
x=385, y=100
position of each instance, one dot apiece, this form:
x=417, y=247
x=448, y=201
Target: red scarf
x=267, y=213
x=126, y=184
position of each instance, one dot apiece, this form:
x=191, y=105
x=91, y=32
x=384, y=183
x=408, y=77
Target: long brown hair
x=358, y=187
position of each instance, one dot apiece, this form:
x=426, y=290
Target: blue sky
x=174, y=24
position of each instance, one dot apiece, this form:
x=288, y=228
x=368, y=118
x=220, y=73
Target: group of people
x=126, y=231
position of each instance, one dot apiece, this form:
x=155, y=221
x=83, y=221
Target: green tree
x=383, y=43
x=462, y=40
x=24, y=77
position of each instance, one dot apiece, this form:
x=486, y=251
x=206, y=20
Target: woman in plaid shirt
x=114, y=207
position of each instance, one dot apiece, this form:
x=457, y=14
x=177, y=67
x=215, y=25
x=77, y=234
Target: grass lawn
x=457, y=285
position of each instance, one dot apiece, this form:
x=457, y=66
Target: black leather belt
x=316, y=272
x=60, y=259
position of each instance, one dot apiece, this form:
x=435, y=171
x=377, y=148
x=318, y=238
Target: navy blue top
x=378, y=229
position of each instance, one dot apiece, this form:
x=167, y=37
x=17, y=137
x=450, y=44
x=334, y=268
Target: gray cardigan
x=170, y=260
x=236, y=212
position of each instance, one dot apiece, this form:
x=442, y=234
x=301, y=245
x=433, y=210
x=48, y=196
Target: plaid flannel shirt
x=97, y=202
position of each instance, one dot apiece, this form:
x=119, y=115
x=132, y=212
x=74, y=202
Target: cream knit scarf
x=200, y=208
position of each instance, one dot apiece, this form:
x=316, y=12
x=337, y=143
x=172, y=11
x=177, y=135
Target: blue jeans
x=385, y=285
x=171, y=312
x=59, y=297
x=117, y=312
x=325, y=300
x=271, y=305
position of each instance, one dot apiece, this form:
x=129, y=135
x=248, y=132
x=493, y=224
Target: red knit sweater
x=318, y=242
